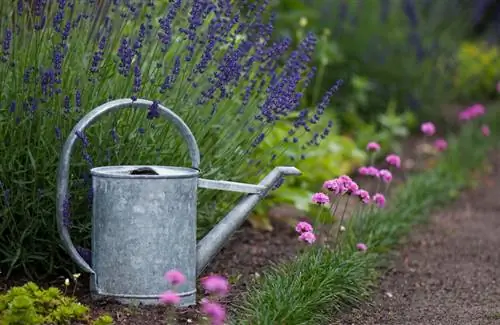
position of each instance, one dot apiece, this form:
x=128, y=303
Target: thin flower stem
x=376, y=191
x=334, y=211
x=372, y=158
x=341, y=222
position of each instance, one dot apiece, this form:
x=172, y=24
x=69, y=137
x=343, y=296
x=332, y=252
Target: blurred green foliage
x=398, y=51
x=478, y=71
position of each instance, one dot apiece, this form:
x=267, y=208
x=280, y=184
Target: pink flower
x=372, y=171
x=385, y=175
x=361, y=247
x=428, y=128
x=498, y=87
x=303, y=226
x=214, y=311
x=351, y=187
x=170, y=298
x=373, y=146
x=175, y=277
x=485, y=130
x=363, y=195
x=363, y=171
x=441, y=144
x=332, y=185
x=320, y=198
x=379, y=200
x=344, y=179
x=472, y=112
x=393, y=160
x=215, y=284
x=307, y=237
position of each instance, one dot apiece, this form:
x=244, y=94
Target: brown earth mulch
x=449, y=271
x=247, y=255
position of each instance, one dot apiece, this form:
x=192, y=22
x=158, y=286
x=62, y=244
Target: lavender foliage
x=216, y=66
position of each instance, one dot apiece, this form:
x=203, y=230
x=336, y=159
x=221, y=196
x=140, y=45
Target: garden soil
x=448, y=273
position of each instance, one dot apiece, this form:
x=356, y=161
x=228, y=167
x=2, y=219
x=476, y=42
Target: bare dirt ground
x=448, y=273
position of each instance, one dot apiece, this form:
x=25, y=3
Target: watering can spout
x=211, y=244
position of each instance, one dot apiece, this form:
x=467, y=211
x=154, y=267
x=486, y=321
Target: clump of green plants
x=478, y=71
x=31, y=305
x=215, y=66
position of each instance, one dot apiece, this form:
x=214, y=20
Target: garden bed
x=447, y=271
x=247, y=255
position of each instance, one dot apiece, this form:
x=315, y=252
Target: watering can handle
x=64, y=161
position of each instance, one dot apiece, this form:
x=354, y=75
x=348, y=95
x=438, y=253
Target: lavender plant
x=218, y=69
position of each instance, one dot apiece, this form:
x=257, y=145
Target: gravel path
x=448, y=273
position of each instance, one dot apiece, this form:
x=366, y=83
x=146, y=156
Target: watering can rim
x=164, y=172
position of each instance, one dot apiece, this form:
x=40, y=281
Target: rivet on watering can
x=144, y=218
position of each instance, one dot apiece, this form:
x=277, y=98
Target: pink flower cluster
x=472, y=112
x=214, y=285
x=475, y=111
x=361, y=247
x=305, y=231
x=485, y=130
x=393, y=160
x=429, y=129
x=373, y=146
x=344, y=185
x=175, y=278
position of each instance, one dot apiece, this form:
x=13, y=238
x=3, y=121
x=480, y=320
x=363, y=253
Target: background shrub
x=400, y=50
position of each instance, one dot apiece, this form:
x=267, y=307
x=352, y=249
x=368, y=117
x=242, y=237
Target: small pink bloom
x=214, y=311
x=363, y=195
x=472, y=112
x=175, y=277
x=379, y=200
x=372, y=171
x=441, y=144
x=345, y=179
x=385, y=175
x=332, y=185
x=428, y=128
x=170, y=298
x=498, y=86
x=393, y=160
x=363, y=171
x=373, y=146
x=485, y=130
x=320, y=198
x=303, y=226
x=307, y=237
x=215, y=284
x=361, y=247
x=464, y=115
x=351, y=187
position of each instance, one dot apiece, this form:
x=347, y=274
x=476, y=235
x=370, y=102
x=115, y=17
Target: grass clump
x=322, y=281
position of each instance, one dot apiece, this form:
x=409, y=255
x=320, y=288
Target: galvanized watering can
x=144, y=218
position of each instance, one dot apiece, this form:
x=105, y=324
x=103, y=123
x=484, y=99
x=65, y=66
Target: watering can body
x=142, y=226
x=144, y=219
